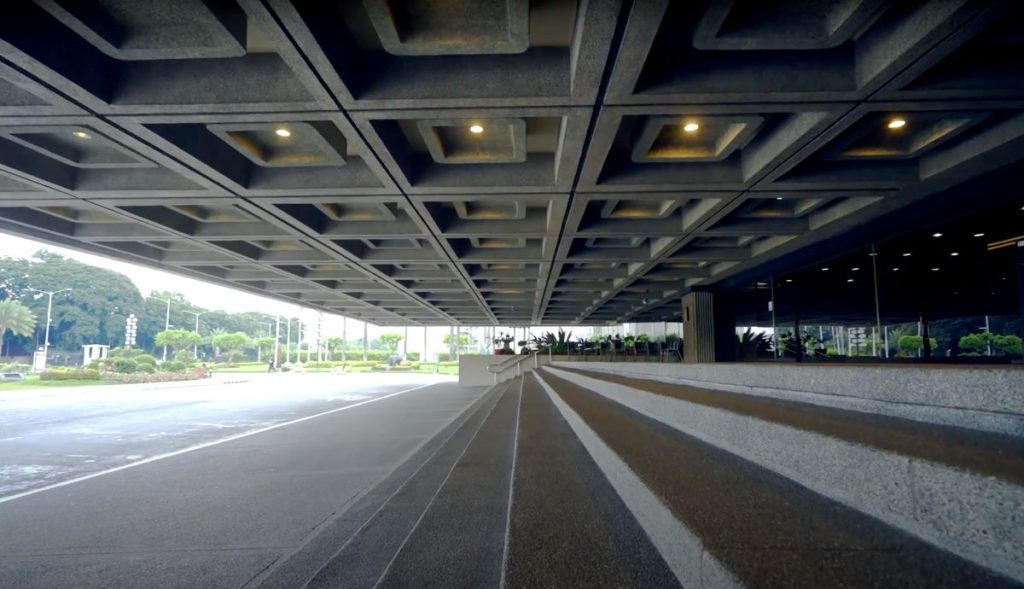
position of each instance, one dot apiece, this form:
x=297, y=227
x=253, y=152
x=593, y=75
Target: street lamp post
x=167, y=319
x=49, y=310
x=195, y=348
x=277, y=342
x=288, y=342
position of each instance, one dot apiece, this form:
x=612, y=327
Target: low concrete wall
x=473, y=369
x=988, y=398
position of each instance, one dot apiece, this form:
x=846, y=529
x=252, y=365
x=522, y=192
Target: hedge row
x=70, y=374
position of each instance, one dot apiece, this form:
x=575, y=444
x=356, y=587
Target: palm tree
x=15, y=317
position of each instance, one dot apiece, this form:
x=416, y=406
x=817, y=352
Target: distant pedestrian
x=270, y=366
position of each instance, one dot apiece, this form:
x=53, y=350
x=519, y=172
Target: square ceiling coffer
x=286, y=144
x=451, y=27
x=471, y=141
x=875, y=138
x=756, y=25
x=80, y=147
x=681, y=139
x=156, y=29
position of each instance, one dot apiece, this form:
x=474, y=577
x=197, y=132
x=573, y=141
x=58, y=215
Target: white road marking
x=205, y=445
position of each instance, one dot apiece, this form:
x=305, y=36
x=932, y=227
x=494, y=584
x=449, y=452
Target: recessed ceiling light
x=283, y=133
x=477, y=129
x=789, y=280
x=935, y=269
x=81, y=134
x=897, y=123
x=954, y=254
x=691, y=127
x=778, y=198
x=896, y=269
x=824, y=269
x=849, y=280
x=936, y=234
x=855, y=268
x=979, y=235
x=906, y=254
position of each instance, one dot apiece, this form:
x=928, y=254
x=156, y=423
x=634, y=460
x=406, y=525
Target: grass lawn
x=32, y=382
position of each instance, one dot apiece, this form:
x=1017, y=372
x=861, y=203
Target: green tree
x=15, y=317
x=1010, y=345
x=264, y=345
x=974, y=344
x=216, y=331
x=910, y=344
x=232, y=342
x=390, y=340
x=94, y=311
x=178, y=339
x=460, y=342
x=334, y=344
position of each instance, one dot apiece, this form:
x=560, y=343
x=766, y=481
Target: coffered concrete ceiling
x=479, y=162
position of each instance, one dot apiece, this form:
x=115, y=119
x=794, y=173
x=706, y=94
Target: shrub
x=70, y=374
x=145, y=359
x=190, y=374
x=173, y=366
x=315, y=364
x=412, y=356
x=125, y=353
x=185, y=356
x=146, y=368
x=358, y=363
x=15, y=367
x=124, y=365
x=384, y=368
x=236, y=357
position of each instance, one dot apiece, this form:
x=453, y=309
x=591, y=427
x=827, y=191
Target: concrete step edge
x=322, y=543
x=959, y=511
x=502, y=416
x=988, y=421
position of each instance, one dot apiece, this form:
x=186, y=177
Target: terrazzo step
x=724, y=496
x=567, y=525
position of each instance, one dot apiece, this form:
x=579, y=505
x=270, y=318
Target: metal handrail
x=500, y=367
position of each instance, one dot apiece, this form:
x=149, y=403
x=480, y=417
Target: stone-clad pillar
x=709, y=331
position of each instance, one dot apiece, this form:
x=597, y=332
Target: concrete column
x=709, y=329
x=1020, y=278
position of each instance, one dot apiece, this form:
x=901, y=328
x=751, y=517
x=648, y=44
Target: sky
x=147, y=280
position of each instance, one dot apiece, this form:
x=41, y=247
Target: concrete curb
x=681, y=549
x=967, y=514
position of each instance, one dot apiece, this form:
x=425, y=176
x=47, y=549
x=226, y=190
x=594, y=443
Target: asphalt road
x=196, y=485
